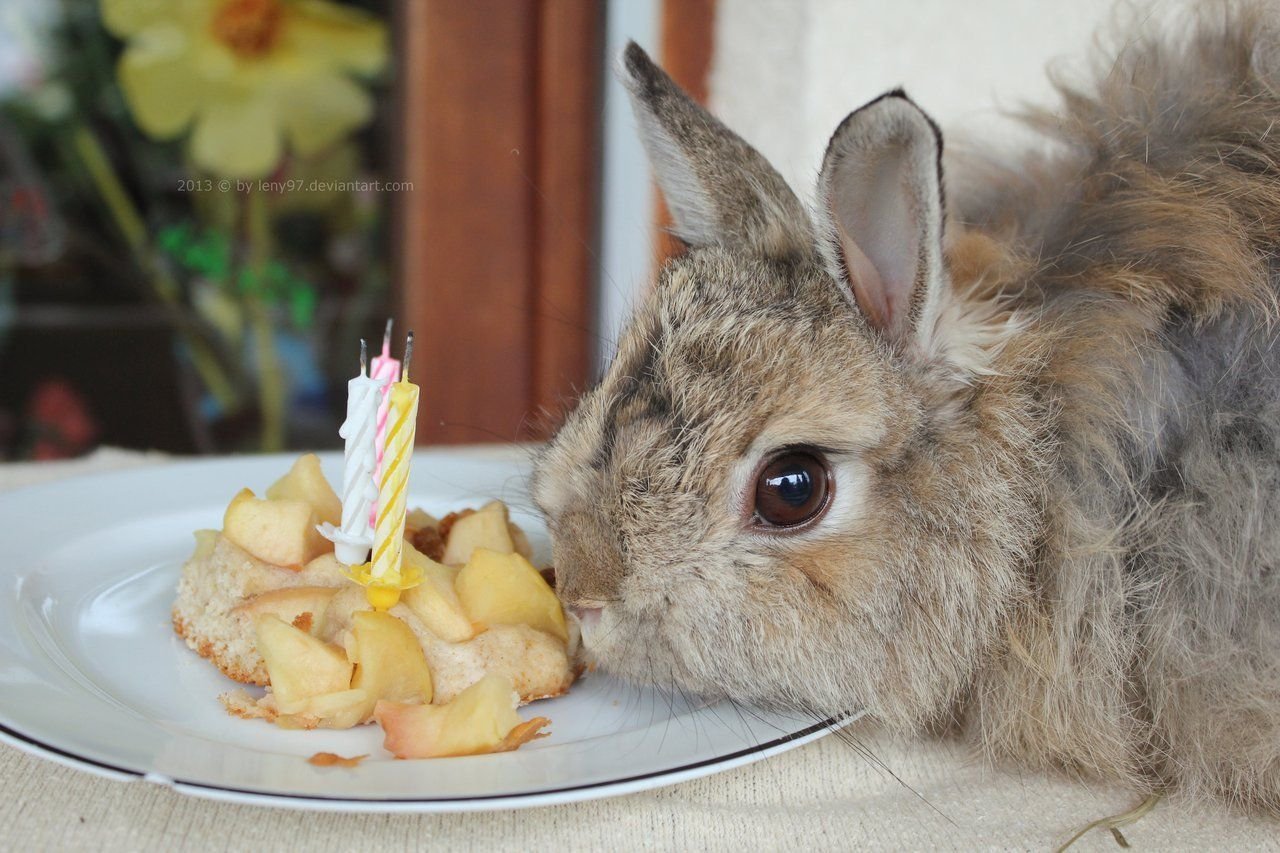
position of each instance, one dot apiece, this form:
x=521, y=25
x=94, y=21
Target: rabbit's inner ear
x=719, y=189
x=880, y=197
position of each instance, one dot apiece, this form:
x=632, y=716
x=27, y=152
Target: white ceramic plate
x=91, y=674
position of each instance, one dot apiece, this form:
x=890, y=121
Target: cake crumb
x=330, y=759
x=429, y=543
x=240, y=704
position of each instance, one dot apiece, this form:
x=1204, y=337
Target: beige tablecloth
x=826, y=795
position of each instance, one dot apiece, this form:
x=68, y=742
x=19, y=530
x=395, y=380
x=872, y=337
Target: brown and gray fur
x=1054, y=422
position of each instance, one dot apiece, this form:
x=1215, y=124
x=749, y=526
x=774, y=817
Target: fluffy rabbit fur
x=1050, y=403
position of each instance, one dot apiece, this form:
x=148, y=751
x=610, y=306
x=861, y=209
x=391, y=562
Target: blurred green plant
x=182, y=136
x=208, y=254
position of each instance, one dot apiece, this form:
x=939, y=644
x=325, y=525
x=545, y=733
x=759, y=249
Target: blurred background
x=205, y=204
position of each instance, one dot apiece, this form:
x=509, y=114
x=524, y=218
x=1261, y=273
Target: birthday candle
x=354, y=538
x=388, y=534
x=387, y=369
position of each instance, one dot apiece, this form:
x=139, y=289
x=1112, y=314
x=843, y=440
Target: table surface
x=827, y=795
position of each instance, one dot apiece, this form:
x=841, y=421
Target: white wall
x=626, y=238
x=785, y=73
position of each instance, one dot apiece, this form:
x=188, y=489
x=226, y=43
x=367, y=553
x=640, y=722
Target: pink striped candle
x=384, y=369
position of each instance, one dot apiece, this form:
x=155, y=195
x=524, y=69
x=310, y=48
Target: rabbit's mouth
x=588, y=619
x=639, y=650
x=588, y=616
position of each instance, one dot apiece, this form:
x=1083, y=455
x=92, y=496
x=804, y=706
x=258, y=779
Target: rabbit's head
x=773, y=493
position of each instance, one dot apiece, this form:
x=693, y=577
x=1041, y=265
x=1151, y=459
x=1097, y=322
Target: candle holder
x=383, y=593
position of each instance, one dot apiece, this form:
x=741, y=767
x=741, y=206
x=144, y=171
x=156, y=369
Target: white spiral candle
x=354, y=538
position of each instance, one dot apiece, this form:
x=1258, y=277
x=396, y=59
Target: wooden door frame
x=496, y=242
x=687, y=43
x=499, y=124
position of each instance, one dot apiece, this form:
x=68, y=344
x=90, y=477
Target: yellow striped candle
x=388, y=534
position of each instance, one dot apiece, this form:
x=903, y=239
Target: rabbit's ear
x=718, y=188
x=881, y=206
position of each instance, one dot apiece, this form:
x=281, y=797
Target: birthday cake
x=439, y=637
x=269, y=605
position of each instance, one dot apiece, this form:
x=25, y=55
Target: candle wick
x=408, y=357
x=364, y=357
x=386, y=339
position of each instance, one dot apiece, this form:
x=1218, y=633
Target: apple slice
x=325, y=570
x=519, y=541
x=418, y=518
x=280, y=532
x=480, y=719
x=435, y=601
x=305, y=482
x=341, y=710
x=299, y=665
x=390, y=663
x=288, y=603
x=505, y=589
x=206, y=541
x=486, y=528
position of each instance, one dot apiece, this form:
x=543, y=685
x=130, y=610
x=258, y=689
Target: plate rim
x=33, y=746
x=43, y=747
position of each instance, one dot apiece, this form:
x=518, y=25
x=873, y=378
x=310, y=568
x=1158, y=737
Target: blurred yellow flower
x=245, y=76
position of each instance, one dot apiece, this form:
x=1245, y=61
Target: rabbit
x=994, y=456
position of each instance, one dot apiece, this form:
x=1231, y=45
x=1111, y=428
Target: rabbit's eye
x=793, y=488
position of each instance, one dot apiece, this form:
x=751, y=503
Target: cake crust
x=220, y=578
